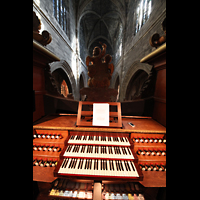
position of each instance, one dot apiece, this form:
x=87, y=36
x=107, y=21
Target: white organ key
x=98, y=152
x=92, y=168
x=125, y=170
x=108, y=168
x=78, y=139
x=73, y=167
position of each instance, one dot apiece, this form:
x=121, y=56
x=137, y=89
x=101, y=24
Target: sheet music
x=100, y=114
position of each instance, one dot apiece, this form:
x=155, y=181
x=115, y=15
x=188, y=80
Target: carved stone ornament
x=44, y=38
x=156, y=40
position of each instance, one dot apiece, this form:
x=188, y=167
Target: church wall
x=137, y=46
x=126, y=56
x=62, y=45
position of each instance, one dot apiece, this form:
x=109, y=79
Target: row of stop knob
x=151, y=152
x=46, y=147
x=149, y=140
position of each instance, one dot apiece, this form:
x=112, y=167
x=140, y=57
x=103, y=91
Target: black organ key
x=96, y=164
x=74, y=163
x=112, y=165
x=85, y=164
x=64, y=163
x=79, y=164
x=128, y=166
x=78, y=137
x=96, y=149
x=88, y=149
x=83, y=149
x=84, y=137
x=132, y=165
x=69, y=148
x=70, y=163
x=97, y=138
x=123, y=151
x=115, y=150
x=91, y=137
x=109, y=151
x=90, y=163
x=119, y=150
x=105, y=149
x=121, y=165
x=117, y=165
x=88, y=167
x=74, y=149
x=107, y=166
x=72, y=137
x=129, y=151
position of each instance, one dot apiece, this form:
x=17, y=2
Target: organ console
x=77, y=162
x=115, y=158
x=106, y=156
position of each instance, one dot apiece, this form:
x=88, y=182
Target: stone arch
x=82, y=84
x=135, y=85
x=130, y=73
x=83, y=78
x=69, y=73
x=115, y=75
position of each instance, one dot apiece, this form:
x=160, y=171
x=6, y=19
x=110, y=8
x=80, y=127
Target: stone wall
x=137, y=46
x=128, y=48
x=62, y=45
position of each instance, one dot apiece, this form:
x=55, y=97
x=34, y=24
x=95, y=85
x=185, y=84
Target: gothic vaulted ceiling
x=100, y=20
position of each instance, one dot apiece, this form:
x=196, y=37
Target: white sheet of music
x=100, y=114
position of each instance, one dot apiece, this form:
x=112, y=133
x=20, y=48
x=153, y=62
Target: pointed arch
x=130, y=73
x=68, y=72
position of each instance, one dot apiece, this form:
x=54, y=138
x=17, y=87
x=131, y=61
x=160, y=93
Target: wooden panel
x=67, y=122
x=154, y=179
x=39, y=107
x=44, y=174
x=82, y=119
x=38, y=79
x=159, y=113
x=160, y=90
x=41, y=57
x=158, y=60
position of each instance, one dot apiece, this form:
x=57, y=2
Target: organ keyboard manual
x=99, y=156
x=104, y=156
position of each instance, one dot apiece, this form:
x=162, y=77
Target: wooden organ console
x=109, y=156
x=77, y=162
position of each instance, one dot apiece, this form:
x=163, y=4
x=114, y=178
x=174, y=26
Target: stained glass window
x=143, y=12
x=61, y=13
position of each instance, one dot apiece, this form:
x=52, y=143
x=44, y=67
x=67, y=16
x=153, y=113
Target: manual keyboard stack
x=101, y=157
